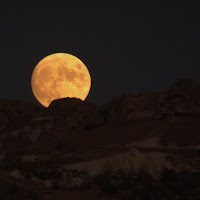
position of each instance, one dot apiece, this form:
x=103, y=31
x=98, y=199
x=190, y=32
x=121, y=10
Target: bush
x=145, y=192
x=106, y=184
x=47, y=174
x=168, y=175
x=13, y=189
x=55, y=185
x=144, y=177
x=102, y=179
x=79, y=173
x=32, y=196
x=84, y=186
x=109, y=189
x=86, y=183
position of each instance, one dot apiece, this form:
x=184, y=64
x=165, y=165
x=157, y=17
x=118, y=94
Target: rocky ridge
x=71, y=141
x=23, y=123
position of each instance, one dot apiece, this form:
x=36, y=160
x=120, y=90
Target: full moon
x=60, y=75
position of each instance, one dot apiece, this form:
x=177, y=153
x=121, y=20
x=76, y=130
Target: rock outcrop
x=74, y=113
x=182, y=97
x=71, y=146
x=131, y=106
x=15, y=114
x=23, y=123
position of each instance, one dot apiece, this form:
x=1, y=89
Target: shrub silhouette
x=13, y=189
x=105, y=183
x=168, y=175
x=47, y=174
x=109, y=189
x=144, y=177
x=79, y=173
x=55, y=185
x=102, y=179
x=125, y=178
x=32, y=196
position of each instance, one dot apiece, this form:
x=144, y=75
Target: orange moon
x=60, y=75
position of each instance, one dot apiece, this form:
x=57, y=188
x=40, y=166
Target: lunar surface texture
x=60, y=75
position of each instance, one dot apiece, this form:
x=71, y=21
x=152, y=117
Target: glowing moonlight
x=60, y=75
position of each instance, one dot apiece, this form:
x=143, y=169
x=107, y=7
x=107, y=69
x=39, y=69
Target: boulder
x=73, y=113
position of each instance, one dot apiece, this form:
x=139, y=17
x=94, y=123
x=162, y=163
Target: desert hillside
x=69, y=146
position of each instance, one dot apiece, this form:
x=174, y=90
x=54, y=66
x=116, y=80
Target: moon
x=60, y=75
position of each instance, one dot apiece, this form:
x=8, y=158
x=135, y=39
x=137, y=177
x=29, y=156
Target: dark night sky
x=126, y=46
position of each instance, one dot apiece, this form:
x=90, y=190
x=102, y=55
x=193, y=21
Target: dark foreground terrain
x=143, y=146
x=121, y=184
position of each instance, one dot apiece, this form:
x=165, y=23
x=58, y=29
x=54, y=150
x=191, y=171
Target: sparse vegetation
x=55, y=185
x=47, y=174
x=124, y=183
x=32, y=196
x=30, y=169
x=13, y=189
x=79, y=173
x=141, y=185
x=169, y=176
x=105, y=182
x=38, y=144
